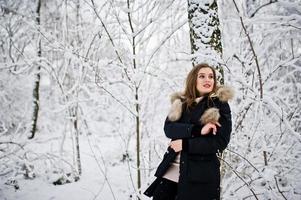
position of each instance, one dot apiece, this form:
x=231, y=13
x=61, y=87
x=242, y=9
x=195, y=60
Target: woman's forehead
x=205, y=70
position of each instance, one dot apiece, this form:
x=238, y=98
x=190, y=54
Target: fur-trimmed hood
x=223, y=93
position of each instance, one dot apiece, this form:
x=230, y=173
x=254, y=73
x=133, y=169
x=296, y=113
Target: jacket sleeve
x=210, y=144
x=178, y=130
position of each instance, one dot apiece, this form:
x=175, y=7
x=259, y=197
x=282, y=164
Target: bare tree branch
x=262, y=6
x=10, y=142
x=253, y=50
x=109, y=35
x=279, y=188
x=237, y=174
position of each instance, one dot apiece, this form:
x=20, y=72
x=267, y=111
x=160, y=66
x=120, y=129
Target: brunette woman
x=199, y=126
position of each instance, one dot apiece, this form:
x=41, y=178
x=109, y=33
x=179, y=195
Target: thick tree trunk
x=205, y=38
x=36, y=89
x=205, y=35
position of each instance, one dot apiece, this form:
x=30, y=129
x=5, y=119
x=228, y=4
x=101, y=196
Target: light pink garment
x=173, y=171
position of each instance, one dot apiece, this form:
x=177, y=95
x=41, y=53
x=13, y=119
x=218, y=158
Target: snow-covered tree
x=205, y=34
x=262, y=55
x=36, y=89
x=107, y=68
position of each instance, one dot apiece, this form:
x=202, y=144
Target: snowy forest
x=85, y=88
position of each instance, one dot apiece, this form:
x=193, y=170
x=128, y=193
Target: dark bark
x=204, y=16
x=36, y=90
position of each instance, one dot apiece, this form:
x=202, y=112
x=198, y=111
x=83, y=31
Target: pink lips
x=207, y=86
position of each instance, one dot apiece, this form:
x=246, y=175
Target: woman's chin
x=205, y=91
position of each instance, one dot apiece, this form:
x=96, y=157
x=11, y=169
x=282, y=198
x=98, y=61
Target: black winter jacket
x=199, y=166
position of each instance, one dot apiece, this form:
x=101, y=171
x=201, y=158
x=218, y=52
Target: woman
x=199, y=126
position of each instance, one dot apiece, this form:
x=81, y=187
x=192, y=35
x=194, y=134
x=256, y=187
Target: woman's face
x=205, y=81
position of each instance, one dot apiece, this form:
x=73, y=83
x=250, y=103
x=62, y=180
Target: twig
x=239, y=123
x=236, y=173
x=110, y=38
x=244, y=159
x=284, y=63
x=133, y=35
x=250, y=196
x=126, y=143
x=122, y=104
x=101, y=170
x=269, y=102
x=10, y=142
x=279, y=188
x=163, y=42
x=296, y=27
x=253, y=50
x=262, y=6
x=5, y=173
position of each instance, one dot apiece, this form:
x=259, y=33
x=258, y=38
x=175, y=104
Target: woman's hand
x=207, y=128
x=176, y=145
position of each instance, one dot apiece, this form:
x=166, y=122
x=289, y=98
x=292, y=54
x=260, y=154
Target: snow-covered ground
x=94, y=181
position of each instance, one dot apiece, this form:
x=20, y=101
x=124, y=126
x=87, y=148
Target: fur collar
x=223, y=93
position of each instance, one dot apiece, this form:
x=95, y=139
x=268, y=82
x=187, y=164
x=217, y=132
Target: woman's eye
x=211, y=77
x=201, y=76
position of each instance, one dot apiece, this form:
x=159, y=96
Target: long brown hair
x=191, y=92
